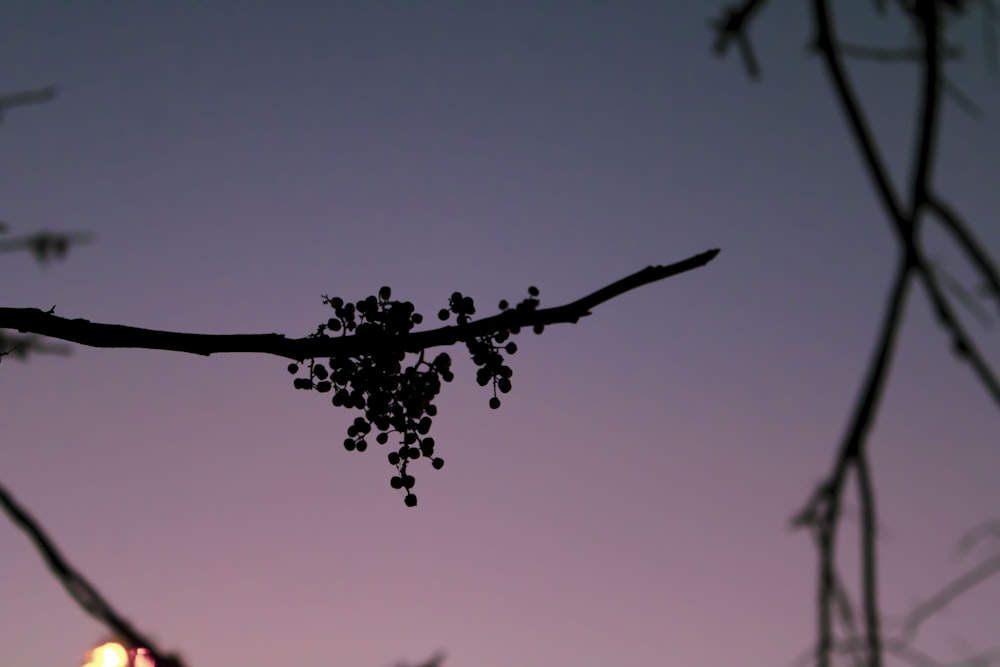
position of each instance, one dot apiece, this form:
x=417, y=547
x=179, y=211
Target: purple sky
x=629, y=503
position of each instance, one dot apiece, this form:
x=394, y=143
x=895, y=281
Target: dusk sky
x=629, y=503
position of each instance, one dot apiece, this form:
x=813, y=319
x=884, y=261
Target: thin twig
x=948, y=594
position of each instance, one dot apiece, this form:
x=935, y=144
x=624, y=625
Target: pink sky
x=629, y=502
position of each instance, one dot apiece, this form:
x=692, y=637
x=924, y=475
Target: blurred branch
x=21, y=346
x=25, y=98
x=93, y=334
x=948, y=594
x=46, y=245
x=964, y=296
x=969, y=540
x=823, y=511
x=731, y=26
x=77, y=586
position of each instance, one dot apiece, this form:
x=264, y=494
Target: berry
x=293, y=368
x=494, y=403
x=443, y=314
x=396, y=482
x=349, y=445
x=411, y=500
x=437, y=463
x=385, y=293
x=533, y=291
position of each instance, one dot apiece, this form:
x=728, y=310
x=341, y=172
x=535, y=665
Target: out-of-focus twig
x=25, y=98
x=948, y=594
x=46, y=245
x=89, y=599
x=823, y=511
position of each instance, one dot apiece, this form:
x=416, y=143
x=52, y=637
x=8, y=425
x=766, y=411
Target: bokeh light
x=110, y=654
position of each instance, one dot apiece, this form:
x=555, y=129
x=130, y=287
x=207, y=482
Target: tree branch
x=95, y=334
x=77, y=586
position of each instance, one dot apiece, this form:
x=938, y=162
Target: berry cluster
x=394, y=398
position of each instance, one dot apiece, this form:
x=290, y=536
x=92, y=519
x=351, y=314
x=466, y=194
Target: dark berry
x=411, y=500
x=396, y=482
x=494, y=402
x=293, y=368
x=437, y=463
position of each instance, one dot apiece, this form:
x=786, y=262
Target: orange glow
x=142, y=659
x=108, y=655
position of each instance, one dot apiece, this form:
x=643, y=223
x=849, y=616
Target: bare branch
x=46, y=245
x=77, y=586
x=26, y=97
x=948, y=594
x=953, y=223
x=732, y=25
x=963, y=295
x=93, y=334
x=986, y=529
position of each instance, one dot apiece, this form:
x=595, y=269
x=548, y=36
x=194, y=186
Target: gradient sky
x=629, y=503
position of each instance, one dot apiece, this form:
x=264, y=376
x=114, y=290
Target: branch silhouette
x=381, y=327
x=823, y=511
x=94, y=334
x=85, y=595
